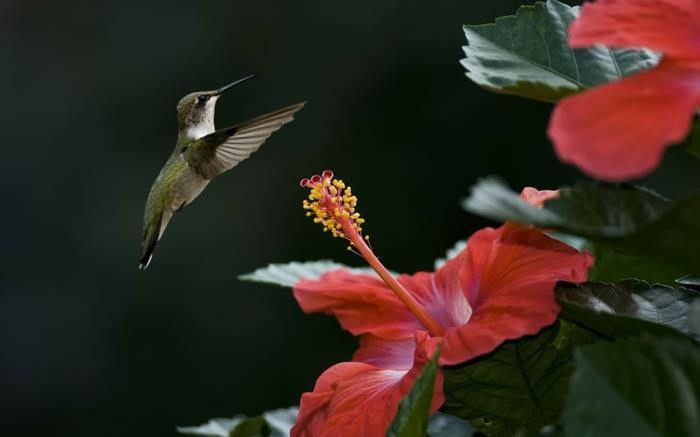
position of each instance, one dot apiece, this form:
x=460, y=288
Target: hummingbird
x=202, y=153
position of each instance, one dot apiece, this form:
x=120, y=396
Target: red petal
x=619, y=131
x=669, y=26
x=509, y=275
x=441, y=295
x=362, y=304
x=536, y=197
x=386, y=354
x=358, y=399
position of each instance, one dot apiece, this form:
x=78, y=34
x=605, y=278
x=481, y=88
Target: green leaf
x=640, y=387
x=627, y=308
x=286, y=275
x=279, y=423
x=445, y=425
x=253, y=427
x=528, y=55
x=611, y=266
x=275, y=423
x=520, y=386
x=588, y=209
x=694, y=318
x=281, y=420
x=411, y=419
x=626, y=219
x=673, y=239
x=692, y=142
x=690, y=281
x=552, y=431
x=220, y=427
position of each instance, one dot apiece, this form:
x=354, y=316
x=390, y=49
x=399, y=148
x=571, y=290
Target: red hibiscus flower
x=500, y=287
x=619, y=131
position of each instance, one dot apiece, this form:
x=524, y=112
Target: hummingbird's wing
x=222, y=150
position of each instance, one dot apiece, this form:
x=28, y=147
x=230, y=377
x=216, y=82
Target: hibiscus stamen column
x=332, y=204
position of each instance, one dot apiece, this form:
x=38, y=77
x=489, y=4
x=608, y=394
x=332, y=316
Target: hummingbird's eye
x=203, y=98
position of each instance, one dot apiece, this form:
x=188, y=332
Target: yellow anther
x=332, y=204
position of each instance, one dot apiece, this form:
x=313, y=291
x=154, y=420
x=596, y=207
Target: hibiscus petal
x=358, y=399
x=669, y=26
x=362, y=304
x=509, y=274
x=442, y=296
x=619, y=130
x=386, y=354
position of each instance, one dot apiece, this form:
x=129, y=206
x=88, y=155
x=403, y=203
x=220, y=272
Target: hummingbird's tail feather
x=151, y=235
x=149, y=247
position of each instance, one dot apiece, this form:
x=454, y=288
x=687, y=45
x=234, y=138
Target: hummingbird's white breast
x=200, y=130
x=202, y=122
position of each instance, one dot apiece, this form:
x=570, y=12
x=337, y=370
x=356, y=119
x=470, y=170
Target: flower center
x=332, y=204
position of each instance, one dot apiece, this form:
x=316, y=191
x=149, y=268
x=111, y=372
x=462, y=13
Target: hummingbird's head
x=195, y=111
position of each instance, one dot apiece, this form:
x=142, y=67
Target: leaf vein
x=614, y=61
x=529, y=387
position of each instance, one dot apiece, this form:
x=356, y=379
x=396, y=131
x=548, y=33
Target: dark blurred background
x=92, y=347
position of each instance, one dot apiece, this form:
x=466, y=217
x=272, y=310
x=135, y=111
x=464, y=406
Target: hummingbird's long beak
x=225, y=88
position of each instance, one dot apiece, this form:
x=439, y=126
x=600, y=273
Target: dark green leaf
x=253, y=427
x=673, y=239
x=520, y=386
x=627, y=308
x=690, y=281
x=414, y=409
x=612, y=265
x=552, y=431
x=588, y=209
x=220, y=427
x=694, y=318
x=275, y=423
x=692, y=142
x=281, y=420
x=626, y=219
x=445, y=425
x=528, y=55
x=641, y=387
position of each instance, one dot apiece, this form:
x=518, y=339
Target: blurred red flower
x=619, y=131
